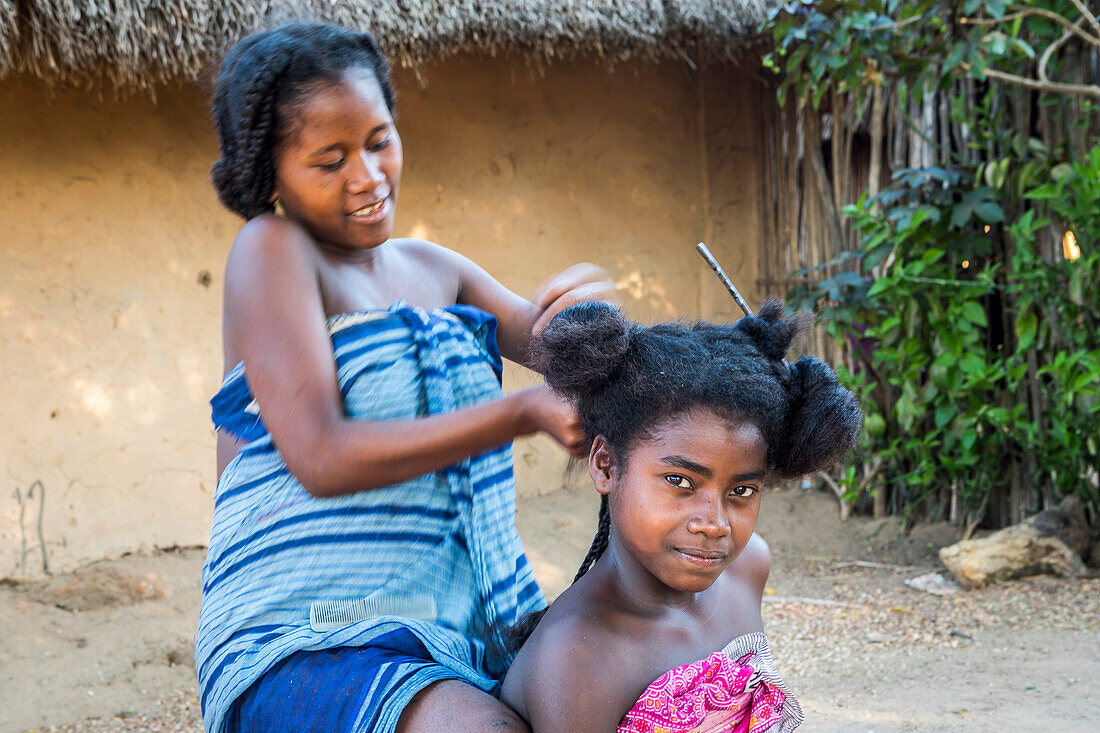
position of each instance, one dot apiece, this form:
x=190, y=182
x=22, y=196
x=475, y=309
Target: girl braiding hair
x=363, y=433
x=686, y=423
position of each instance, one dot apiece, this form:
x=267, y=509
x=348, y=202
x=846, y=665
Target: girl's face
x=687, y=501
x=338, y=169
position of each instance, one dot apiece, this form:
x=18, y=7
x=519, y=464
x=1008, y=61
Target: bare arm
x=274, y=315
x=517, y=317
x=561, y=683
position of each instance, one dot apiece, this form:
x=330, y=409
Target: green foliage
x=925, y=44
x=972, y=340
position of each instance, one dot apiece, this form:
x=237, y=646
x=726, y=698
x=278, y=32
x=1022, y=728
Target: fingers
x=572, y=440
x=599, y=290
x=555, y=286
x=558, y=418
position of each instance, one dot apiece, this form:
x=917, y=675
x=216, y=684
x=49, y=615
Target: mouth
x=371, y=212
x=702, y=558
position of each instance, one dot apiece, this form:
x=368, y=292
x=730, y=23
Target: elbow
x=317, y=465
x=317, y=487
x=315, y=475
x=325, y=468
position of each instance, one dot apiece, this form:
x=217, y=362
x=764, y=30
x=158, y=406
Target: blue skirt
x=339, y=690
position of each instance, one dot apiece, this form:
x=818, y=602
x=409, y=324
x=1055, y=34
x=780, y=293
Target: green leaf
x=879, y=286
x=972, y=365
x=1083, y=381
x=973, y=312
x=944, y=415
x=990, y=212
x=960, y=215
x=1026, y=327
x=944, y=360
x=998, y=416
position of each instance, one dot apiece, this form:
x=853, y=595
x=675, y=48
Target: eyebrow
x=688, y=465
x=334, y=146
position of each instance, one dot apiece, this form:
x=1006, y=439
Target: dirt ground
x=109, y=648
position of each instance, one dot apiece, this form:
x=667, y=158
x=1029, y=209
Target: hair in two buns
x=627, y=380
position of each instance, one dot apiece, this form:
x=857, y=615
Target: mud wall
x=114, y=244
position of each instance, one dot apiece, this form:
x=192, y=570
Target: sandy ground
x=108, y=648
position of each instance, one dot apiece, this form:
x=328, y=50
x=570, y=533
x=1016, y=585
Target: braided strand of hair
x=599, y=542
x=256, y=172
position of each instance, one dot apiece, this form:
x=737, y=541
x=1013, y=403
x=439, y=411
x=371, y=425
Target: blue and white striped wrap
x=446, y=539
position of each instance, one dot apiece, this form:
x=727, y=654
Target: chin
x=373, y=239
x=684, y=583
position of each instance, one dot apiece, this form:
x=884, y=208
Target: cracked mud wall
x=113, y=248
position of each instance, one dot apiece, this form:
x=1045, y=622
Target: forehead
x=709, y=439
x=350, y=108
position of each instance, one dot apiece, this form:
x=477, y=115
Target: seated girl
x=661, y=630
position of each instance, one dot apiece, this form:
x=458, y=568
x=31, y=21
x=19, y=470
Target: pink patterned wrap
x=737, y=689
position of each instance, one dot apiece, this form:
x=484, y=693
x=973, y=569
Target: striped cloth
x=437, y=556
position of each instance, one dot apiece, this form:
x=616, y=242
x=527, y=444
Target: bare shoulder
x=562, y=642
x=427, y=253
x=559, y=680
x=753, y=565
x=444, y=267
x=269, y=240
x=271, y=282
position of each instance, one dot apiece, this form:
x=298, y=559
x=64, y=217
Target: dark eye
x=331, y=166
x=744, y=491
x=383, y=143
x=680, y=482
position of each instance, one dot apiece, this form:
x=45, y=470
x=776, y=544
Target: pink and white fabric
x=737, y=689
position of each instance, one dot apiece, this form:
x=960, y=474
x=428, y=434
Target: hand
x=573, y=285
x=548, y=412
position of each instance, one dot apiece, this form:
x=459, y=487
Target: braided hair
x=262, y=83
x=627, y=380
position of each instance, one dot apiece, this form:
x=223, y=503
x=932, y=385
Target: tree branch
x=991, y=21
x=1083, y=90
x=1045, y=58
x=1085, y=12
x=1064, y=22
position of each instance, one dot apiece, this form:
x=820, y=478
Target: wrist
x=523, y=410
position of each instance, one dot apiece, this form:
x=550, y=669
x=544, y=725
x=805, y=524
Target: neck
x=367, y=259
x=636, y=587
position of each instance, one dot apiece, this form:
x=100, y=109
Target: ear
x=601, y=465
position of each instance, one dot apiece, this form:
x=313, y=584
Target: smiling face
x=338, y=168
x=686, y=503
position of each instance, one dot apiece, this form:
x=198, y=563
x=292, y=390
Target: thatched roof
x=129, y=43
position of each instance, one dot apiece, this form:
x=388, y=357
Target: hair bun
x=767, y=331
x=824, y=419
x=809, y=374
x=582, y=346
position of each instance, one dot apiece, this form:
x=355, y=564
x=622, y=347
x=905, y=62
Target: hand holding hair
x=577, y=284
x=557, y=416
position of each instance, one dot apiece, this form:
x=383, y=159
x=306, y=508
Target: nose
x=709, y=519
x=366, y=173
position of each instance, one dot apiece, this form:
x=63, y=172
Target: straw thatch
x=137, y=44
x=7, y=35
